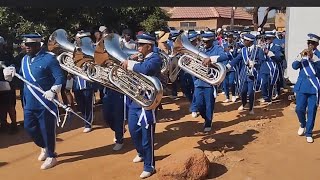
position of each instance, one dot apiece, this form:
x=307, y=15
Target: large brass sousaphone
x=145, y=90
x=191, y=62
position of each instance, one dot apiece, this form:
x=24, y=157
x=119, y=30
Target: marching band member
x=269, y=70
x=126, y=39
x=40, y=113
x=282, y=65
x=230, y=48
x=220, y=36
x=99, y=36
x=141, y=122
x=193, y=38
x=307, y=88
x=104, y=30
x=84, y=95
x=8, y=91
x=204, y=93
x=246, y=61
x=185, y=79
x=187, y=85
x=113, y=111
x=163, y=37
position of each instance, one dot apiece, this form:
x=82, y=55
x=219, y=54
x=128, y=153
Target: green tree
x=155, y=21
x=17, y=21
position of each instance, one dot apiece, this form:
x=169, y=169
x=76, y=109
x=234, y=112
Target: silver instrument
x=65, y=50
x=191, y=62
x=250, y=70
x=174, y=68
x=59, y=44
x=165, y=62
x=145, y=90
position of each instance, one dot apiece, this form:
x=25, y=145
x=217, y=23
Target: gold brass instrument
x=59, y=44
x=145, y=90
x=191, y=62
x=307, y=52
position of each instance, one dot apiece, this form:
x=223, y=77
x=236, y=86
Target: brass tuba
x=191, y=62
x=145, y=90
x=60, y=45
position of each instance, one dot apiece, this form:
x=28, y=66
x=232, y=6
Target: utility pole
x=232, y=17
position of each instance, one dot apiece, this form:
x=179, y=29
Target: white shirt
x=130, y=44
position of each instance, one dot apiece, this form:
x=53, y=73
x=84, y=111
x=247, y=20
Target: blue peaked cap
x=146, y=38
x=313, y=37
x=29, y=38
x=249, y=37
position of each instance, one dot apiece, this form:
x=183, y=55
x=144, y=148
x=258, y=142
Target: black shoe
x=13, y=129
x=4, y=127
x=98, y=102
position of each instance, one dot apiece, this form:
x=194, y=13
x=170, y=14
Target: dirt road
x=261, y=146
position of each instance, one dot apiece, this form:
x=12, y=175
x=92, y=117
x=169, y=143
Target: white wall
x=300, y=22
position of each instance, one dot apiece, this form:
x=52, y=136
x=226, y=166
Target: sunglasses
x=142, y=44
x=312, y=42
x=32, y=44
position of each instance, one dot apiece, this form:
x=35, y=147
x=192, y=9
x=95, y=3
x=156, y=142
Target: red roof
x=207, y=12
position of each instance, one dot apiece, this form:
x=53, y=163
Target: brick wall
x=225, y=21
x=212, y=23
x=201, y=24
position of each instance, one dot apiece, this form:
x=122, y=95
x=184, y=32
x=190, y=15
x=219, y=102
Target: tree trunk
x=255, y=18
x=266, y=13
x=232, y=17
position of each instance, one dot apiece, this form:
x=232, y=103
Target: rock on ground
x=186, y=164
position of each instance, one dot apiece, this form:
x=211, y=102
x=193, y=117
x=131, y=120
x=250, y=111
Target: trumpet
x=307, y=52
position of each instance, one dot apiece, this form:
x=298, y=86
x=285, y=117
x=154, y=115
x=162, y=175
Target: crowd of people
x=254, y=61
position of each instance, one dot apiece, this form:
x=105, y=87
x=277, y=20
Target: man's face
x=269, y=40
x=194, y=42
x=23, y=47
x=127, y=37
x=312, y=45
x=32, y=48
x=247, y=43
x=144, y=48
x=97, y=35
x=230, y=39
x=208, y=43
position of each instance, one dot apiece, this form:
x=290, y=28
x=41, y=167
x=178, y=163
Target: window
x=188, y=24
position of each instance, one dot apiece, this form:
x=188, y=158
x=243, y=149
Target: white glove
x=49, y=95
x=270, y=54
x=56, y=88
x=228, y=66
x=8, y=73
x=251, y=63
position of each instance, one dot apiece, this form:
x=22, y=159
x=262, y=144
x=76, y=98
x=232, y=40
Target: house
x=199, y=18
